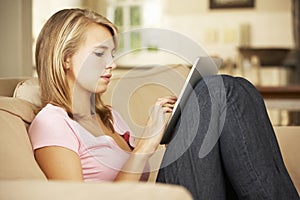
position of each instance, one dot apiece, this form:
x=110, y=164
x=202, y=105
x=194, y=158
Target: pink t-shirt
x=101, y=158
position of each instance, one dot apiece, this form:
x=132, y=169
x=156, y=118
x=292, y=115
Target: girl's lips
x=106, y=77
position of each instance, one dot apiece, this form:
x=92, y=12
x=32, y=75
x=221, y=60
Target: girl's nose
x=111, y=65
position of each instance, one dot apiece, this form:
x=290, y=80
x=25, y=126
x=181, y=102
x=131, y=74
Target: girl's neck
x=82, y=102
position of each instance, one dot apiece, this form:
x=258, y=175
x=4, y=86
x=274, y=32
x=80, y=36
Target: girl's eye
x=98, y=54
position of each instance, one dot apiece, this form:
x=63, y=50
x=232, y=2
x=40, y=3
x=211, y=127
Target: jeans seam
x=250, y=167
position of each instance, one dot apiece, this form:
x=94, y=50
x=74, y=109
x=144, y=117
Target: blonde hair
x=59, y=39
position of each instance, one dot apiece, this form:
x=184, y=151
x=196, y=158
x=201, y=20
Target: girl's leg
x=225, y=145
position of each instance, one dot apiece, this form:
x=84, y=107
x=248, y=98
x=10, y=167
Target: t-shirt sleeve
x=53, y=129
x=122, y=127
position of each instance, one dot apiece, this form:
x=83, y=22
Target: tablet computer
x=203, y=66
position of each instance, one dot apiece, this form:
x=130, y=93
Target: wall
x=16, y=38
x=270, y=24
x=96, y=5
x=43, y=9
x=217, y=30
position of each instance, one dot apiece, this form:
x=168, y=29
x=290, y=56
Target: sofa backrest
x=133, y=92
x=8, y=85
x=16, y=155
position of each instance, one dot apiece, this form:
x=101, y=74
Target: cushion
x=16, y=155
x=29, y=90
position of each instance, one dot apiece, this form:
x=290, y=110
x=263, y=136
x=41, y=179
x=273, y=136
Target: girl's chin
x=100, y=90
x=101, y=87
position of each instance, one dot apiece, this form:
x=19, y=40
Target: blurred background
x=257, y=39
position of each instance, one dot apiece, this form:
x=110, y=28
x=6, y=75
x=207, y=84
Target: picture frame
x=219, y=4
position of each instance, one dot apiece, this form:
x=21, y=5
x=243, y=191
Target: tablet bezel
x=203, y=66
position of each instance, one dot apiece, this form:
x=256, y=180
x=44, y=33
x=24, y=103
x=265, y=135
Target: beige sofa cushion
x=17, y=159
x=29, y=90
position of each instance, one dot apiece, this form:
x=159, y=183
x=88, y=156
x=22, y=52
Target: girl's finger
x=168, y=105
x=167, y=110
x=162, y=101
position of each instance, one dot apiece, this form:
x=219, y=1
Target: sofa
x=21, y=177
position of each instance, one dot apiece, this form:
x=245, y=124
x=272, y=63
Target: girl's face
x=90, y=67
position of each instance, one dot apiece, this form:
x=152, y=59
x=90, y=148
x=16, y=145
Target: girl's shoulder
x=51, y=116
x=52, y=111
x=53, y=127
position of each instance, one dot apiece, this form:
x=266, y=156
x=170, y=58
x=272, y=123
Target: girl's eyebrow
x=104, y=47
x=101, y=46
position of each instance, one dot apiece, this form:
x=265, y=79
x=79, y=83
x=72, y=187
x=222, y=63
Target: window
x=127, y=15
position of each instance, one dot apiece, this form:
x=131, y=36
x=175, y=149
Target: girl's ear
x=67, y=63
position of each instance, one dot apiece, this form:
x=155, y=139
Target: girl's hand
x=149, y=141
x=156, y=125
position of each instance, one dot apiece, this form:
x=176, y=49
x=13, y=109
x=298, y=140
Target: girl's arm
x=59, y=163
x=147, y=145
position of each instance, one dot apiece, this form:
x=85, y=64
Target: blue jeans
x=225, y=147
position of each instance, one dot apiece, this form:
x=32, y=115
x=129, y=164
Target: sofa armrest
x=37, y=190
x=289, y=141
